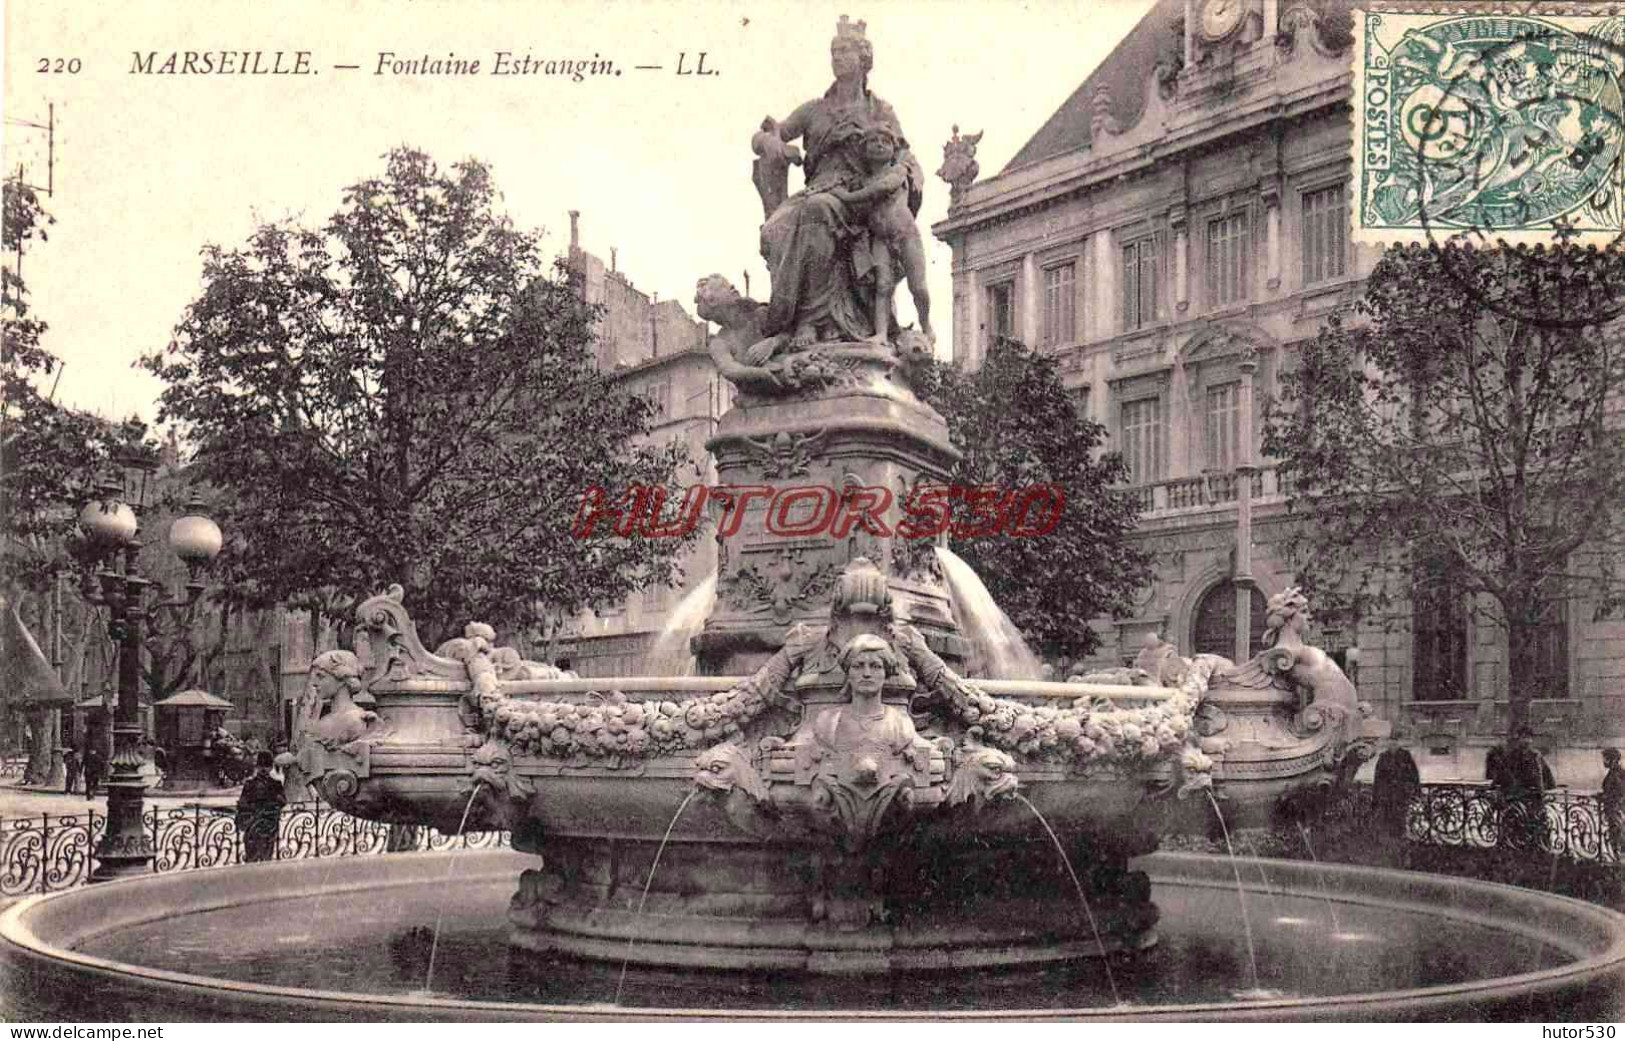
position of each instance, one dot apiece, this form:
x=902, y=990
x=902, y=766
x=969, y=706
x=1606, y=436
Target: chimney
x=612, y=261
x=575, y=229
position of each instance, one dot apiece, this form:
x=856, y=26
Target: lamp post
x=112, y=524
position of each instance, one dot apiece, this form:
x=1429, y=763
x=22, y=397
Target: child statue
x=880, y=198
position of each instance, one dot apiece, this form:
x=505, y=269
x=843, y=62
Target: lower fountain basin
x=349, y=940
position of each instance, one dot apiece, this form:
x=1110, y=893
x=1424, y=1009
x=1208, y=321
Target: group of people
x=1520, y=777
x=92, y=766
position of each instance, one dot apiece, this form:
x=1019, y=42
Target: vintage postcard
x=808, y=511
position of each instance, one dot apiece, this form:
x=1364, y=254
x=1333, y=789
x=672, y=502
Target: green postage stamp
x=1482, y=122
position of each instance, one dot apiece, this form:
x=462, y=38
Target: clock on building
x=1220, y=17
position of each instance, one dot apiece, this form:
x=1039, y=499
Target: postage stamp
x=1484, y=123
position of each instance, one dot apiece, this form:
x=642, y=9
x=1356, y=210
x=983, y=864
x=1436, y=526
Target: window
x=1325, y=232
x=1227, y=257
x=1214, y=629
x=1143, y=440
x=999, y=317
x=1438, y=634
x=1060, y=305
x=1081, y=401
x=1139, y=284
x=1549, y=647
x=654, y=597
x=1223, y=425
x=660, y=397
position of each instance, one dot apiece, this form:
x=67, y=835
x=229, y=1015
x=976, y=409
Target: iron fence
x=1560, y=823
x=48, y=852
x=1481, y=816
x=13, y=765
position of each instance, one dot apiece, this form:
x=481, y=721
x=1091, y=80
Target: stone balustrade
x=1204, y=491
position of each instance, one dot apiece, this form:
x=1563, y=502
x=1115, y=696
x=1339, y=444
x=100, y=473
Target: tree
x=50, y=458
x=1018, y=427
x=1465, y=442
x=406, y=395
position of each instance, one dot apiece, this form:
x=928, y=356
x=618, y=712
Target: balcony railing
x=47, y=852
x=1205, y=490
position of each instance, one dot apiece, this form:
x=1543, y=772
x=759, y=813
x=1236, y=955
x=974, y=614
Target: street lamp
x=112, y=525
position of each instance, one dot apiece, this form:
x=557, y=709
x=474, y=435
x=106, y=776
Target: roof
x=26, y=673
x=194, y=698
x=1126, y=76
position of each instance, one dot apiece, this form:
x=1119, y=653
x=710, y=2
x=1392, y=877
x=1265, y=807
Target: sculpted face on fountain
x=868, y=660
x=335, y=680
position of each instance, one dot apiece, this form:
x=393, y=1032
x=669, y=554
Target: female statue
x=865, y=722
x=822, y=256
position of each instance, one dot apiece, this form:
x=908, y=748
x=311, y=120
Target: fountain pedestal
x=828, y=472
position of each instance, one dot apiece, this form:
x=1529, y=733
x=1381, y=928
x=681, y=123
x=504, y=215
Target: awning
x=26, y=672
x=194, y=699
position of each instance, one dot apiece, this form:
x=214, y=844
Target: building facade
x=655, y=349
x=1170, y=236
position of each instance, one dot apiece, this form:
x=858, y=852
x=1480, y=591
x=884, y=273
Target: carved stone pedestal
x=856, y=444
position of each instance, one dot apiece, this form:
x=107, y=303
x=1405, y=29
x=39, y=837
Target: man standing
x=95, y=763
x=259, y=810
x=70, y=762
x=1523, y=783
x=1393, y=785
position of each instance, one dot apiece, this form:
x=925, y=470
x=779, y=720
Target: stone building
x=654, y=348
x=1170, y=235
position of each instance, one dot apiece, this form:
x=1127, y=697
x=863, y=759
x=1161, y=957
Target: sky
x=149, y=168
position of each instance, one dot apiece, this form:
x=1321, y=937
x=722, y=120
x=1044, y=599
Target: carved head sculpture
x=1288, y=609
x=850, y=51
x=333, y=671
x=879, y=144
x=714, y=297
x=868, y=662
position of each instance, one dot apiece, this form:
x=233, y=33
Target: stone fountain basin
x=641, y=802
x=302, y=940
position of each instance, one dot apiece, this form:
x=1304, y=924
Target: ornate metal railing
x=1481, y=816
x=13, y=765
x=49, y=852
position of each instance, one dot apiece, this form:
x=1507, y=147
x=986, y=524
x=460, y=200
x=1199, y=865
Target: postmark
x=1489, y=124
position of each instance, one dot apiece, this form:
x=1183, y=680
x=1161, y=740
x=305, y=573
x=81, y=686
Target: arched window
x=1214, y=630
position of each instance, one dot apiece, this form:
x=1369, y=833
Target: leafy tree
x=406, y=395
x=1019, y=427
x=50, y=456
x=1464, y=441
x=49, y=459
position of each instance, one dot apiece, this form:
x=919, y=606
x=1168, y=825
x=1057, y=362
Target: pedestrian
x=1521, y=775
x=259, y=810
x=1394, y=784
x=1613, y=801
x=70, y=762
x=95, y=764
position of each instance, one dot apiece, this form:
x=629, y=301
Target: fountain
x=835, y=795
